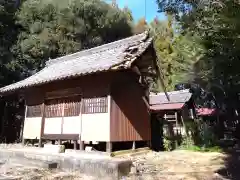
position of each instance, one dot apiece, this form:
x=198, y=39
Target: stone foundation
x=101, y=166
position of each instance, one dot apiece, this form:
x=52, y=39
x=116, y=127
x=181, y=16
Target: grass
x=203, y=149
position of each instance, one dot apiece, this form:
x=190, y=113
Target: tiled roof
x=107, y=57
x=175, y=97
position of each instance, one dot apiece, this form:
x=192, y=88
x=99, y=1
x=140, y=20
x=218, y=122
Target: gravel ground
x=176, y=165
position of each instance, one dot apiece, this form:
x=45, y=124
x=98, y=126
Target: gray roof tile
x=101, y=58
x=175, y=97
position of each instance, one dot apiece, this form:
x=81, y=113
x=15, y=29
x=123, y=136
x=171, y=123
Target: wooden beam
x=146, y=102
x=136, y=70
x=63, y=93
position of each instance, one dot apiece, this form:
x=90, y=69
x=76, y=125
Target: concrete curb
x=99, y=166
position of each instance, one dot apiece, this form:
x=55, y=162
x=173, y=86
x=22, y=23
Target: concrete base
x=89, y=153
x=50, y=148
x=33, y=163
x=96, y=165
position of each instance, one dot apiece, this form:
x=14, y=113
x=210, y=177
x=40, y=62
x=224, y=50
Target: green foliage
x=199, y=137
x=187, y=141
x=177, y=52
x=128, y=13
x=202, y=149
x=167, y=143
x=55, y=28
x=8, y=32
x=216, y=24
x=141, y=26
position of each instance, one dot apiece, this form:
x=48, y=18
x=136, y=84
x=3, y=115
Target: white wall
x=53, y=125
x=96, y=127
x=72, y=125
x=92, y=127
x=32, y=128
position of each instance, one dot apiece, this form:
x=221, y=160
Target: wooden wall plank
x=130, y=119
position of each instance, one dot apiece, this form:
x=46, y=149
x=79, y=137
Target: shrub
x=167, y=143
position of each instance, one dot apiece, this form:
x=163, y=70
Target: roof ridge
x=143, y=36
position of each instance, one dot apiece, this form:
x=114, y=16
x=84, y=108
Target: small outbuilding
x=96, y=95
x=176, y=110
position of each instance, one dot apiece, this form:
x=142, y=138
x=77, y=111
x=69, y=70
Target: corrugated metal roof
x=98, y=59
x=158, y=107
x=175, y=97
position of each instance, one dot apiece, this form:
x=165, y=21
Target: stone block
x=50, y=148
x=97, y=165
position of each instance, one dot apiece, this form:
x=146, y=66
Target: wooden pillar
x=134, y=145
x=75, y=145
x=149, y=144
x=176, y=139
x=3, y=135
x=59, y=141
x=40, y=142
x=184, y=127
x=23, y=142
x=42, y=125
x=109, y=147
x=22, y=128
x=81, y=144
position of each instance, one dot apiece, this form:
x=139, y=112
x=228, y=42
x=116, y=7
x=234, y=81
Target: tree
x=55, y=28
x=216, y=23
x=11, y=106
x=177, y=52
x=128, y=13
x=141, y=26
x=8, y=33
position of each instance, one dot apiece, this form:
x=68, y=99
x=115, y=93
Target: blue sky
x=138, y=8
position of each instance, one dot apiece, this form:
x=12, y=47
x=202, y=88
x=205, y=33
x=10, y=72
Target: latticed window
x=63, y=107
x=95, y=105
x=53, y=108
x=72, y=107
x=34, y=111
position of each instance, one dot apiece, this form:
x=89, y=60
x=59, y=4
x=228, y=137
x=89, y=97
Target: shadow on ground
x=232, y=165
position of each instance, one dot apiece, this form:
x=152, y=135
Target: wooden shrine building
x=95, y=95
